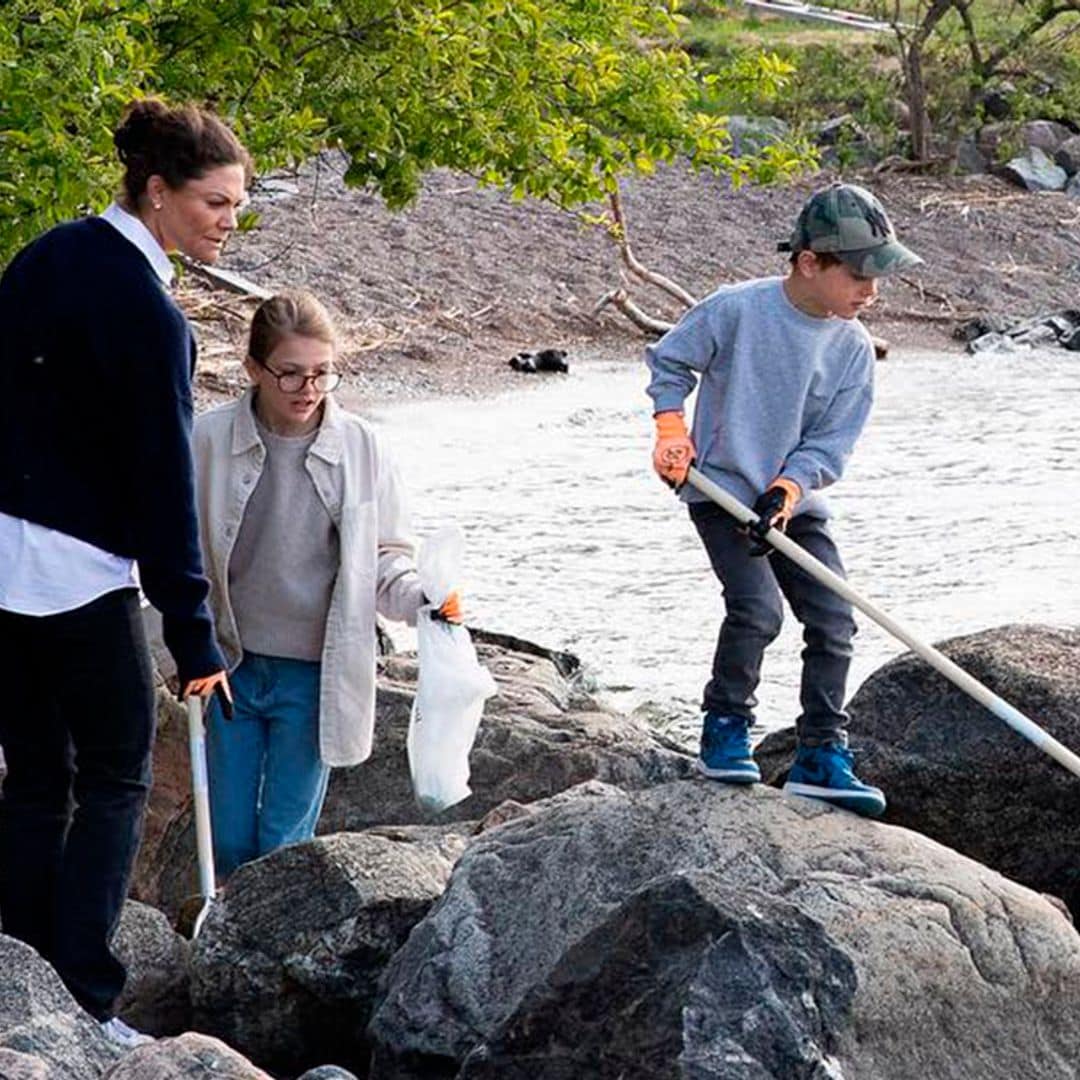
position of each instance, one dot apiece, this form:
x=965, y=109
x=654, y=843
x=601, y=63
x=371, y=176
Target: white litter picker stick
x=938, y=660
x=200, y=791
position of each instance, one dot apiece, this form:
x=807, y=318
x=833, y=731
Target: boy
x=786, y=383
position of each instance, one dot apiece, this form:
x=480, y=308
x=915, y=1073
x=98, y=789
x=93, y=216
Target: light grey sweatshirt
x=286, y=556
x=781, y=393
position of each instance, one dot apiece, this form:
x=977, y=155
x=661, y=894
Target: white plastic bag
x=451, y=686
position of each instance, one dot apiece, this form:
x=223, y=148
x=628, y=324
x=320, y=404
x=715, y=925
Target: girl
x=306, y=536
x=95, y=475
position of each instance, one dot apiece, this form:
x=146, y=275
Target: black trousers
x=77, y=728
x=752, y=589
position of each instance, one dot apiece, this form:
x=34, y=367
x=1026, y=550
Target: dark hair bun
x=140, y=128
x=177, y=143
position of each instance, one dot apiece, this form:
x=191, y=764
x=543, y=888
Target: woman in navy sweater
x=96, y=476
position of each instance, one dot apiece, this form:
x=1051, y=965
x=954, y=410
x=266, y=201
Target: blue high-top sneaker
x=725, y=750
x=824, y=772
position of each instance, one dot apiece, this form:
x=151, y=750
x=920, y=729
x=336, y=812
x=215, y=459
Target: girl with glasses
x=306, y=536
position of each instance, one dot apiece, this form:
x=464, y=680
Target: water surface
x=958, y=512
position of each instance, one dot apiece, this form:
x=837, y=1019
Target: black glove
x=774, y=511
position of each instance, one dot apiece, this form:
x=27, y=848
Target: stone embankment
x=596, y=910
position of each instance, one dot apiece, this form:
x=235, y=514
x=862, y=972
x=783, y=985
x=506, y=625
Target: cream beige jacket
x=360, y=488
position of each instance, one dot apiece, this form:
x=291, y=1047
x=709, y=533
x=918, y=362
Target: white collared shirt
x=43, y=571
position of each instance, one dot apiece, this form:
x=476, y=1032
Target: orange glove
x=451, y=609
x=673, y=451
x=218, y=684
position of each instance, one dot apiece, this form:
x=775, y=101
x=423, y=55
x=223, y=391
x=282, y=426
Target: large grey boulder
x=286, y=964
x=40, y=1020
x=952, y=770
x=752, y=134
x=190, y=1056
x=540, y=735
x=714, y=980
x=1067, y=155
x=1035, y=170
x=156, y=997
x=801, y=942
x=1045, y=135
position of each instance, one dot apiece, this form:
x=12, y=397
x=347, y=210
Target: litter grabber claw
x=936, y=659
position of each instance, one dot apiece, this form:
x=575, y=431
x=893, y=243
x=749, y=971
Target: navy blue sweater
x=96, y=363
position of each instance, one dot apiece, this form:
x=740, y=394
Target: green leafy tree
x=551, y=99
x=977, y=41
x=63, y=79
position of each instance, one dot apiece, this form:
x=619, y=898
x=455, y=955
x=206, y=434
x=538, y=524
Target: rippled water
x=957, y=513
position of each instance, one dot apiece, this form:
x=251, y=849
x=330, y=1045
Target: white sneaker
x=123, y=1036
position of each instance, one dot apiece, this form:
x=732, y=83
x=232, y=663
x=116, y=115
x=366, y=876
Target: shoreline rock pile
x=596, y=910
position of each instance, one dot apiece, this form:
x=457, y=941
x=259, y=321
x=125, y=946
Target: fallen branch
x=924, y=292
x=381, y=340
x=620, y=299
x=227, y=279
x=618, y=231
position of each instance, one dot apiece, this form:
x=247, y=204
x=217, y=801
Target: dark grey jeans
x=752, y=588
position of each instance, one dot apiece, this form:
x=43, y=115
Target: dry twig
x=619, y=233
x=620, y=299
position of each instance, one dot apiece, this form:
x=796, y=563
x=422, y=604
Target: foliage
x=967, y=46
x=64, y=77
x=837, y=73
x=990, y=38
x=553, y=99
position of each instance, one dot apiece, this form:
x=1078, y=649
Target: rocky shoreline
x=596, y=910
x=438, y=298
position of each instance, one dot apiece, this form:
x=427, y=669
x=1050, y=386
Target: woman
x=95, y=476
x=306, y=536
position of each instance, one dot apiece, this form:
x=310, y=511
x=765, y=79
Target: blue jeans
x=752, y=599
x=267, y=781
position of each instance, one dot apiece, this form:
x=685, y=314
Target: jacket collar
x=327, y=445
x=134, y=231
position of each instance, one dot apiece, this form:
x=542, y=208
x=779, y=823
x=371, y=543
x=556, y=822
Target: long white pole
x=938, y=660
x=200, y=791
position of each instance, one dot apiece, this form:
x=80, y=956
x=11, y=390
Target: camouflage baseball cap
x=848, y=221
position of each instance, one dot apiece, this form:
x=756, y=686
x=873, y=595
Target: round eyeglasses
x=291, y=382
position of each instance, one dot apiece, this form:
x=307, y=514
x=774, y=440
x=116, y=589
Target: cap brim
x=887, y=258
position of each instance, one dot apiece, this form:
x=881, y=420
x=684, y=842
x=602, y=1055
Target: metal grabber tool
x=200, y=791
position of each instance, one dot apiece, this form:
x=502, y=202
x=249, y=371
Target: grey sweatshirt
x=286, y=556
x=781, y=393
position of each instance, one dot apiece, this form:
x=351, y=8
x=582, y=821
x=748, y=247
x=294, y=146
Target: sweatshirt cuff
x=669, y=403
x=797, y=477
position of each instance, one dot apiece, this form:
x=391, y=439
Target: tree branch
x=618, y=231
x=1045, y=14
x=619, y=298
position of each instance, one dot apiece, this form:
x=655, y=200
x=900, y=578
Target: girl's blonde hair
x=295, y=311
